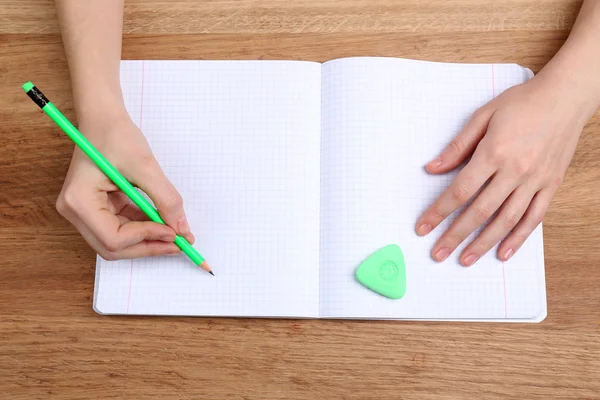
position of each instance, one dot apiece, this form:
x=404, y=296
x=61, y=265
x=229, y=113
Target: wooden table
x=53, y=345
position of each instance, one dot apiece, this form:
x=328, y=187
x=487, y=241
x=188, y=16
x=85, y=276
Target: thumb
x=464, y=144
x=167, y=199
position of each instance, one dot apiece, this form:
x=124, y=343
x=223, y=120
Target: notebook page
x=240, y=141
x=383, y=120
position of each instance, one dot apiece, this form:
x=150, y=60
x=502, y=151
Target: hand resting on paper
x=112, y=225
x=521, y=144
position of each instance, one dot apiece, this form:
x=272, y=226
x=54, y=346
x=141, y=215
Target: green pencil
x=111, y=172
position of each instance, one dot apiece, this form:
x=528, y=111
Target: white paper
x=293, y=173
x=384, y=119
x=240, y=141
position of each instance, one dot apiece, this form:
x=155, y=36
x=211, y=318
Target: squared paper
x=294, y=172
x=383, y=120
x=240, y=141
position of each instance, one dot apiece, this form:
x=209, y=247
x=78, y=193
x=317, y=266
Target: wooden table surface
x=53, y=345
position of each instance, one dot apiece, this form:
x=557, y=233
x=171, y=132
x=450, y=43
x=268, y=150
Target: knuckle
x=522, y=167
x=66, y=201
x=146, y=161
x=495, y=150
x=497, y=155
x=110, y=244
x=461, y=194
x=537, y=217
x=483, y=213
x=436, y=215
x=108, y=256
x=482, y=246
x=454, y=239
x=61, y=206
x=519, y=238
x=477, y=114
x=173, y=202
x=457, y=145
x=510, y=219
x=557, y=181
x=148, y=234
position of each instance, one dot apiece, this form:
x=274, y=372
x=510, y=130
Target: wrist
x=100, y=123
x=97, y=95
x=569, y=90
x=101, y=110
x=572, y=76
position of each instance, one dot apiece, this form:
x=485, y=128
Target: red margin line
x=141, y=119
x=504, y=284
x=129, y=294
x=503, y=274
x=142, y=97
x=493, y=82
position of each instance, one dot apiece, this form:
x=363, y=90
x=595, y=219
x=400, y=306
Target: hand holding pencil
x=120, y=224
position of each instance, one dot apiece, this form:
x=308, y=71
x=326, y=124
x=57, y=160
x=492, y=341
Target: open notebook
x=294, y=172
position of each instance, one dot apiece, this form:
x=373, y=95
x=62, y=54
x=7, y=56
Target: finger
x=478, y=213
x=532, y=218
x=117, y=201
x=466, y=184
x=167, y=199
x=87, y=235
x=122, y=206
x=133, y=213
x=510, y=214
x=148, y=248
x=137, y=231
x=113, y=236
x=142, y=249
x=123, y=219
x=464, y=144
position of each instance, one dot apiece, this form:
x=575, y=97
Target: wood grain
x=311, y=16
x=52, y=345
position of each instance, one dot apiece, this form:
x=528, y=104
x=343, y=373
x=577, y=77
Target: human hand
x=521, y=144
x=111, y=224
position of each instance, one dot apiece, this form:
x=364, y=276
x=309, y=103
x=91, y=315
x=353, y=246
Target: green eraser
x=27, y=86
x=384, y=272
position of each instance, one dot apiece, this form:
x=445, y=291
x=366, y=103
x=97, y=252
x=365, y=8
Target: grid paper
x=240, y=141
x=290, y=183
x=383, y=120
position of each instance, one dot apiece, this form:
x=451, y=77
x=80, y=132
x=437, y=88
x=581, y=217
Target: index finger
x=466, y=184
x=114, y=236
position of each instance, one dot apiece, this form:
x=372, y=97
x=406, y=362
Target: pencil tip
x=204, y=265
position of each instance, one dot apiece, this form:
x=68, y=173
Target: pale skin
x=107, y=220
x=520, y=145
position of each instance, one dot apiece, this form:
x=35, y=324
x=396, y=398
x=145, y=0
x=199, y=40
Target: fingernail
x=442, y=254
x=471, y=259
x=435, y=163
x=182, y=226
x=423, y=229
x=508, y=254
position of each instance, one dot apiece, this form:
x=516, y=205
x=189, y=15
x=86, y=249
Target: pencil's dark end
x=35, y=94
x=210, y=272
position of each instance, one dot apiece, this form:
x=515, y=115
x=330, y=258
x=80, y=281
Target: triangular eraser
x=384, y=272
